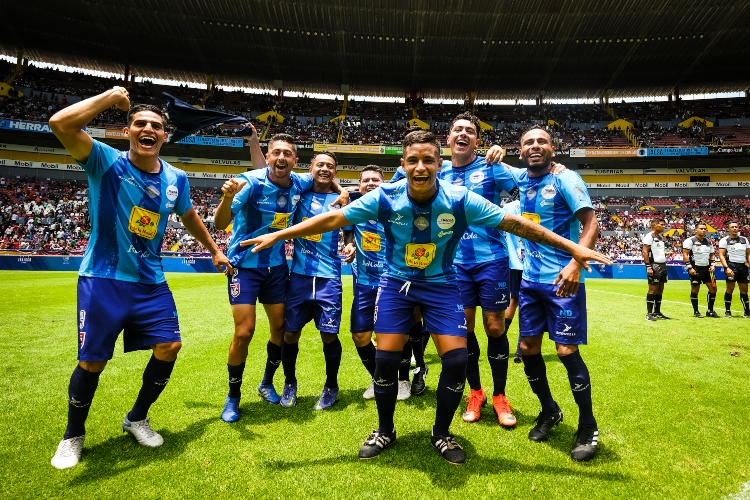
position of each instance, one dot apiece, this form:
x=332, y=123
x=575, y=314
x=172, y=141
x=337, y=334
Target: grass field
x=671, y=401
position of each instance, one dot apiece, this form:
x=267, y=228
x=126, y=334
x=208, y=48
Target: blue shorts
x=309, y=297
x=363, y=308
x=485, y=284
x=145, y=312
x=515, y=282
x=440, y=304
x=266, y=285
x=540, y=310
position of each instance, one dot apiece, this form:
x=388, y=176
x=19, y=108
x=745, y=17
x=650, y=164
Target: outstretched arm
x=319, y=224
x=570, y=277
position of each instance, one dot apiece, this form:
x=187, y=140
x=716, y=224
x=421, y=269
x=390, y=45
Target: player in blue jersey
x=423, y=221
x=259, y=201
x=553, y=293
x=515, y=260
x=314, y=291
x=121, y=283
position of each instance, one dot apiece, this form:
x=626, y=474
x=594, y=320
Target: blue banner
x=200, y=140
x=699, y=151
x=42, y=128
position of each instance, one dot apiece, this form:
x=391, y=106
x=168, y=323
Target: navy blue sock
x=289, y=361
x=728, y=301
x=450, y=389
x=332, y=353
x=580, y=384
x=386, y=387
x=367, y=355
x=472, y=366
x=155, y=378
x=405, y=366
x=273, y=360
x=498, y=350
x=235, y=380
x=425, y=339
x=81, y=391
x=415, y=337
x=536, y=374
x=694, y=301
x=711, y=301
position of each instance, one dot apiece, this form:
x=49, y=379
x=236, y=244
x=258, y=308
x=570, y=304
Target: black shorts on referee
x=740, y=273
x=702, y=275
x=660, y=273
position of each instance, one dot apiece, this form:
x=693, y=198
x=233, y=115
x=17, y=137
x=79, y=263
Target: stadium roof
x=502, y=50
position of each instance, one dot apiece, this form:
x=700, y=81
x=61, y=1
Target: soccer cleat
x=476, y=400
x=327, y=398
x=418, y=382
x=746, y=315
x=142, y=432
x=711, y=314
x=268, y=393
x=517, y=358
x=370, y=392
x=545, y=421
x=376, y=443
x=696, y=314
x=68, y=453
x=504, y=412
x=650, y=317
x=404, y=390
x=231, y=411
x=728, y=314
x=289, y=395
x=661, y=316
x=587, y=442
x=449, y=449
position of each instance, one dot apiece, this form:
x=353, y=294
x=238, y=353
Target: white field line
x=743, y=494
x=688, y=304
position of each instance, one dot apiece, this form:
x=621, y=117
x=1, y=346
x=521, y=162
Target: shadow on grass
x=414, y=452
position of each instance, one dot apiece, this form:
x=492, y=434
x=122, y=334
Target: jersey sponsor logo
x=460, y=308
x=548, y=192
x=421, y=223
x=374, y=264
x=532, y=217
x=234, y=290
x=169, y=205
x=265, y=201
x=397, y=221
x=153, y=191
x=469, y=235
x=565, y=313
x=477, y=177
x=444, y=233
x=280, y=221
x=141, y=253
x=419, y=255
x=172, y=193
x=81, y=339
x=458, y=181
x=315, y=205
x=295, y=200
x=313, y=237
x=501, y=285
x=531, y=193
x=281, y=201
x=143, y=222
x=370, y=242
x=547, y=204
x=446, y=221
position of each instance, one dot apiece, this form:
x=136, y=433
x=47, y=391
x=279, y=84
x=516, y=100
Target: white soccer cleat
x=404, y=390
x=142, y=432
x=370, y=392
x=68, y=453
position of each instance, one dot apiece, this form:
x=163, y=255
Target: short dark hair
x=535, y=127
x=327, y=153
x=421, y=137
x=284, y=138
x=731, y=221
x=469, y=117
x=701, y=224
x=372, y=168
x=138, y=108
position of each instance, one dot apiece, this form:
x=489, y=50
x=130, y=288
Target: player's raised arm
x=257, y=157
x=67, y=124
x=322, y=223
x=534, y=232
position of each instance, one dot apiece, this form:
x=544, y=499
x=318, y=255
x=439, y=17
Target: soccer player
x=515, y=259
x=656, y=268
x=423, y=219
x=552, y=295
x=314, y=290
x=698, y=253
x=734, y=253
x=259, y=201
x=121, y=283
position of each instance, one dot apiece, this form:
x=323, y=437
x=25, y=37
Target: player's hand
x=692, y=272
x=494, y=155
x=569, y=279
x=260, y=242
x=231, y=187
x=728, y=272
x=221, y=263
x=649, y=271
x=123, y=98
x=557, y=168
x=582, y=255
x=342, y=200
x=350, y=251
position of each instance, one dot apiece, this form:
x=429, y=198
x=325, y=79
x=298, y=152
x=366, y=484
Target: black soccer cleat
x=711, y=314
x=696, y=314
x=661, y=316
x=449, y=449
x=587, y=443
x=545, y=421
x=418, y=383
x=650, y=317
x=376, y=443
x=728, y=314
x=517, y=358
x=746, y=315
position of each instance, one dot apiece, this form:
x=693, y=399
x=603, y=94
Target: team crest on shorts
x=234, y=290
x=81, y=339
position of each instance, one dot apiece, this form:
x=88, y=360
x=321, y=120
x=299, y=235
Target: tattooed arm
x=570, y=276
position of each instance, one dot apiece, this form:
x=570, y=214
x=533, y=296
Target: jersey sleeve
x=482, y=212
x=398, y=175
x=504, y=178
x=723, y=243
x=648, y=240
x=305, y=181
x=241, y=198
x=687, y=244
x=364, y=209
x=574, y=191
x=183, y=202
x=101, y=158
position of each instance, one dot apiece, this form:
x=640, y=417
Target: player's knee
x=362, y=339
x=455, y=361
x=566, y=349
x=93, y=366
x=243, y=334
x=291, y=337
x=531, y=345
x=167, y=351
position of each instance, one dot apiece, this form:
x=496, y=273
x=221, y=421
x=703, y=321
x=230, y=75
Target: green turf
x=671, y=402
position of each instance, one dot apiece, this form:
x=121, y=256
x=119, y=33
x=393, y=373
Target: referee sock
x=332, y=353
x=289, y=361
x=728, y=302
x=273, y=360
x=694, y=301
x=367, y=356
x=415, y=337
x=155, y=378
x=450, y=389
x=580, y=384
x=657, y=303
x=498, y=350
x=386, y=387
x=743, y=299
x=81, y=391
x=405, y=366
x=711, y=301
x=650, y=299
x=536, y=374
x=235, y=380
x=472, y=366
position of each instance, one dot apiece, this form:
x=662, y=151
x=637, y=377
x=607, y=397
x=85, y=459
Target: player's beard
x=539, y=168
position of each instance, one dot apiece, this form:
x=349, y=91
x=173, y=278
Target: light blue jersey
x=422, y=240
x=481, y=243
x=128, y=210
x=370, y=240
x=552, y=201
x=512, y=242
x=262, y=207
x=316, y=255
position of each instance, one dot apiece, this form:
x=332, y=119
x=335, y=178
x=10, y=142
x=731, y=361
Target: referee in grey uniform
x=656, y=268
x=698, y=254
x=734, y=249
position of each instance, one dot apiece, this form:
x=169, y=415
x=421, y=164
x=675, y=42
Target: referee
x=698, y=252
x=734, y=249
x=656, y=268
